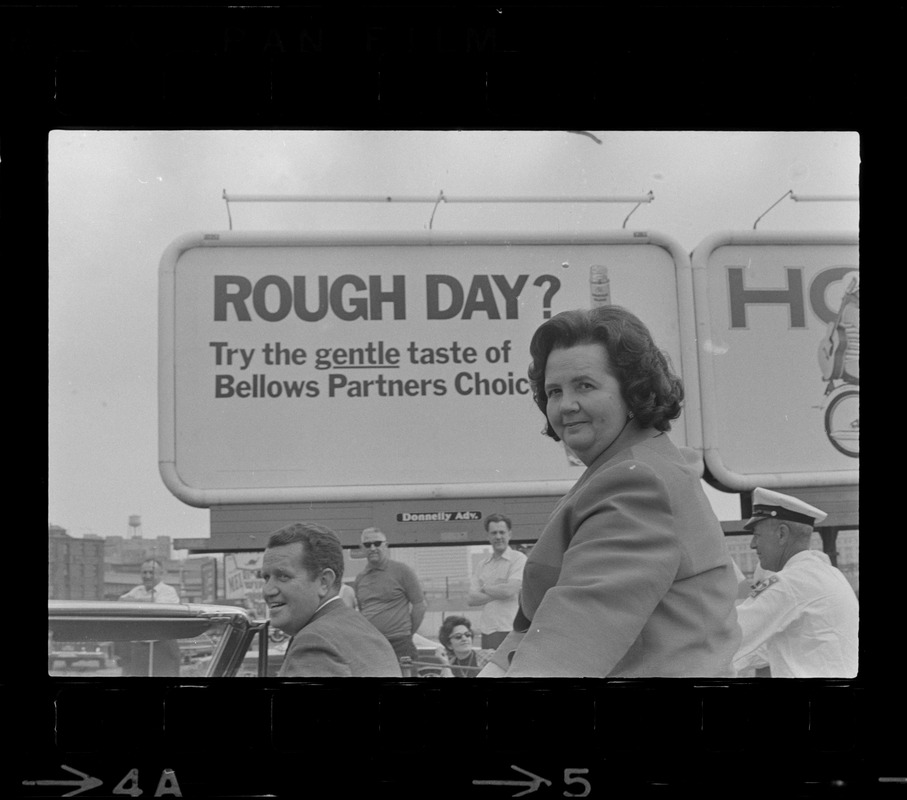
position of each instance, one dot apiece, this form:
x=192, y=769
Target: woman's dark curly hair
x=648, y=385
x=447, y=628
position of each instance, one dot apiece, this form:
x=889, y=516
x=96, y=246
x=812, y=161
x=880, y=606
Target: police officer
x=802, y=620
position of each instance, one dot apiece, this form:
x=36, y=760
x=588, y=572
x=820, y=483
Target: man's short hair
x=153, y=561
x=799, y=530
x=373, y=529
x=321, y=548
x=498, y=518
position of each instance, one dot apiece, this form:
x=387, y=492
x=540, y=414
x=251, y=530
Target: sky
x=118, y=198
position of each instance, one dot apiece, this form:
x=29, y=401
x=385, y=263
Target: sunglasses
x=372, y=544
x=462, y=636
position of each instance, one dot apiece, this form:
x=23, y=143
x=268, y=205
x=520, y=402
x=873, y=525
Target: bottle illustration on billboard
x=600, y=295
x=599, y=286
x=839, y=361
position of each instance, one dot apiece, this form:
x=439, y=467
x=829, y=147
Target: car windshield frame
x=74, y=621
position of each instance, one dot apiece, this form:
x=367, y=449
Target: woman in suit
x=630, y=576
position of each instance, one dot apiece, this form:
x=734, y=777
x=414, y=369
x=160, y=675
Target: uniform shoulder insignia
x=762, y=585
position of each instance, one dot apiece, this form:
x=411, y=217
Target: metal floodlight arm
x=809, y=198
x=441, y=197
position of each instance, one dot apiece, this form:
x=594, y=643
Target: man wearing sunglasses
x=389, y=594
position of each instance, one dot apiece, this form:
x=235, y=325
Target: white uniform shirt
x=497, y=615
x=162, y=593
x=802, y=620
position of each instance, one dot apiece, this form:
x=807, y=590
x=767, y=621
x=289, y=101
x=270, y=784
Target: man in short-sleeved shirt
x=496, y=583
x=389, y=595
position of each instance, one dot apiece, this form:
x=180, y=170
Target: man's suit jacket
x=339, y=642
x=631, y=577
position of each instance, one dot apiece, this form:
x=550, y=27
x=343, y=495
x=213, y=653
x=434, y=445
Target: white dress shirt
x=803, y=620
x=161, y=593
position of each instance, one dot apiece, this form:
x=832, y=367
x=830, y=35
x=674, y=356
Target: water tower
x=135, y=522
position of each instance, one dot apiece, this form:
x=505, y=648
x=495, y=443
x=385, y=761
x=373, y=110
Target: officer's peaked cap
x=774, y=505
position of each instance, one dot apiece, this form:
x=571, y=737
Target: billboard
x=302, y=368
x=778, y=326
x=243, y=582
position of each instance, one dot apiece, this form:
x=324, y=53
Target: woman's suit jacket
x=339, y=642
x=631, y=577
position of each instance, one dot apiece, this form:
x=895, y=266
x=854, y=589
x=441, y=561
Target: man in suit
x=303, y=571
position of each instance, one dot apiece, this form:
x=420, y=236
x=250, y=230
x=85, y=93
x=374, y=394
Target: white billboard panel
x=778, y=345
x=301, y=368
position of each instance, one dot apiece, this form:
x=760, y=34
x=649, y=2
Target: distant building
x=122, y=550
x=195, y=579
x=75, y=567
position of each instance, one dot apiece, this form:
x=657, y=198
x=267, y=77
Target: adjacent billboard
x=778, y=328
x=302, y=368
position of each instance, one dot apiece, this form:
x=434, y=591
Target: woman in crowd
x=456, y=637
x=631, y=576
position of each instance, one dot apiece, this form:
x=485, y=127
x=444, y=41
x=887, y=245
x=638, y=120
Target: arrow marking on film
x=84, y=783
x=532, y=785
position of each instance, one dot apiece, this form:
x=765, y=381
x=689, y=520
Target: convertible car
x=111, y=638
x=116, y=638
